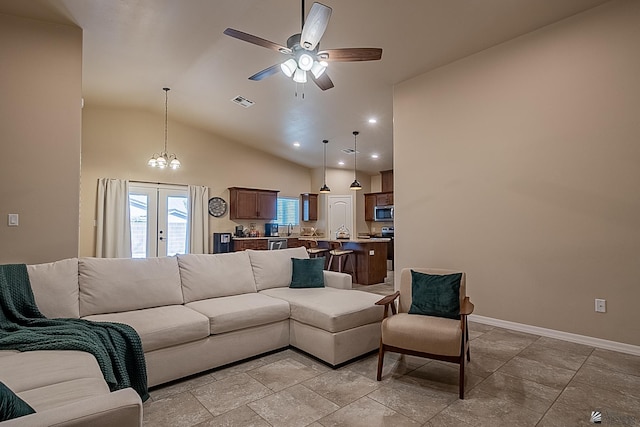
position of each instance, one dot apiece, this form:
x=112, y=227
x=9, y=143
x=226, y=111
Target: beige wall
x=40, y=119
x=116, y=143
x=519, y=165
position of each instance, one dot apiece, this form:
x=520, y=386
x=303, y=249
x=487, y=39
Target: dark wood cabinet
x=309, y=204
x=256, y=244
x=387, y=181
x=372, y=200
x=369, y=204
x=249, y=203
x=294, y=242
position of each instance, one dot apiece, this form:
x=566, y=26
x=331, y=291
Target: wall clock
x=217, y=207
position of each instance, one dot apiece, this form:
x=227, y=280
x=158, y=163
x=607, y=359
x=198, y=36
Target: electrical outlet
x=601, y=305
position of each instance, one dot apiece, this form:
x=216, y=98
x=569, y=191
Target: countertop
x=318, y=238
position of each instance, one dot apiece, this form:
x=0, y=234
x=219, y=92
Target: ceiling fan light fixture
x=300, y=76
x=318, y=69
x=305, y=62
x=288, y=67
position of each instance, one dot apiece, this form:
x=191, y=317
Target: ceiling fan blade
x=315, y=25
x=256, y=40
x=323, y=82
x=265, y=73
x=351, y=54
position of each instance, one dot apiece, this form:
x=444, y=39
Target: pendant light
x=164, y=159
x=355, y=185
x=324, y=188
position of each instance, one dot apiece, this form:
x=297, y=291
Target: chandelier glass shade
x=164, y=159
x=355, y=185
x=324, y=188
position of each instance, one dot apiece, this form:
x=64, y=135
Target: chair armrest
x=333, y=279
x=389, y=301
x=122, y=408
x=467, y=307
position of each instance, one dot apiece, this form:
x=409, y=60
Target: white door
x=340, y=212
x=159, y=221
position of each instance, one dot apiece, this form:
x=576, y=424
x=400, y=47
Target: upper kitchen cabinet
x=387, y=181
x=371, y=200
x=250, y=203
x=309, y=203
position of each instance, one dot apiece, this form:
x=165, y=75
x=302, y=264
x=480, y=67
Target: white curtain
x=113, y=232
x=198, y=219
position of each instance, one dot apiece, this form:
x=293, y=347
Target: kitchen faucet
x=289, y=229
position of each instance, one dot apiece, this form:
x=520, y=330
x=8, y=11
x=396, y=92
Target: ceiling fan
x=303, y=50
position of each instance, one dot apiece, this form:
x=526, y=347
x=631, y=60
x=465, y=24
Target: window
x=288, y=211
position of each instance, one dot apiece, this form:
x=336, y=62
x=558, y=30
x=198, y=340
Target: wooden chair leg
x=461, y=377
x=352, y=258
x=380, y=361
x=467, y=337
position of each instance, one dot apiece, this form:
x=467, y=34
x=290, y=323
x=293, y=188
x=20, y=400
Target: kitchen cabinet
x=244, y=244
x=387, y=180
x=249, y=203
x=294, y=242
x=309, y=203
x=372, y=200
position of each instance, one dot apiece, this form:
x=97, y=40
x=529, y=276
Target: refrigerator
x=222, y=243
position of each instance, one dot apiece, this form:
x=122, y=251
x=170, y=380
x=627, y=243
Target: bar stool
x=343, y=256
x=316, y=249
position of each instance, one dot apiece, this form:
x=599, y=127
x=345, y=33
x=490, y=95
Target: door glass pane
x=176, y=225
x=138, y=207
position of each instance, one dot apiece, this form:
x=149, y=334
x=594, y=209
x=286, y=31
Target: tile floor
x=514, y=379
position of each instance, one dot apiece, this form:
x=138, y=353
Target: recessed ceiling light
x=296, y=144
x=373, y=120
x=341, y=163
x=374, y=156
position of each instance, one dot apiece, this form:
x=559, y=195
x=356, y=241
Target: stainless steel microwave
x=383, y=213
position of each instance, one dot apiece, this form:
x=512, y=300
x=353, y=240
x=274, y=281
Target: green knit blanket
x=116, y=347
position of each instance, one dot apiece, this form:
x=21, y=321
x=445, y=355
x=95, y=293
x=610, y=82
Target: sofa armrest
x=333, y=279
x=122, y=408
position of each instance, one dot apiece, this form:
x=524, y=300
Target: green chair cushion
x=435, y=295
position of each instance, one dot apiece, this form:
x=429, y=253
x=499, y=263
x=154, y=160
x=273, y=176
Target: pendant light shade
x=324, y=188
x=164, y=160
x=355, y=185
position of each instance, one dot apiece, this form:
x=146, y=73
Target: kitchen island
x=370, y=254
x=371, y=257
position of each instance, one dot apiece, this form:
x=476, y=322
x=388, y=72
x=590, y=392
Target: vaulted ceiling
x=134, y=48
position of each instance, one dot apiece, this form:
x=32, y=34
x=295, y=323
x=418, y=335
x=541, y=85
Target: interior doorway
x=339, y=213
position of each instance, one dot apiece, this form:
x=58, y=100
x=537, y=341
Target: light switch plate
x=13, y=220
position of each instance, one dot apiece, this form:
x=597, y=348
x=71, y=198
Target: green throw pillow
x=11, y=406
x=307, y=273
x=435, y=295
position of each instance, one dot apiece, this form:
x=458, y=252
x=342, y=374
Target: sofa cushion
x=111, y=285
x=236, y=312
x=55, y=287
x=333, y=310
x=272, y=269
x=161, y=327
x=34, y=369
x=11, y=406
x=307, y=273
x=62, y=393
x=218, y=275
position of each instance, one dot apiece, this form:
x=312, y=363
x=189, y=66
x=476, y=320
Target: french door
x=159, y=220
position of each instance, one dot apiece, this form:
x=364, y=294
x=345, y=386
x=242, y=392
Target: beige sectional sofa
x=193, y=313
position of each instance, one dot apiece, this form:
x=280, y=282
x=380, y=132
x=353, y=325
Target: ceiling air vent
x=349, y=151
x=241, y=100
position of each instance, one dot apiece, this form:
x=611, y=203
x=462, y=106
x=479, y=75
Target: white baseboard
x=566, y=336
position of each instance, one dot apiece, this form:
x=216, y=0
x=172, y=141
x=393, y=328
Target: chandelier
x=164, y=159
